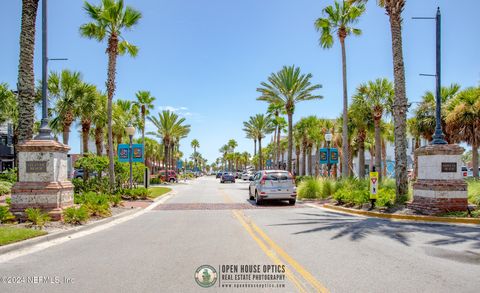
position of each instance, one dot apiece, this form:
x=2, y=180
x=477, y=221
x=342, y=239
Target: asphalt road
x=208, y=223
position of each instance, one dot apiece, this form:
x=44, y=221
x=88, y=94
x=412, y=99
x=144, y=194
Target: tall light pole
x=438, y=136
x=130, y=130
x=45, y=133
x=328, y=139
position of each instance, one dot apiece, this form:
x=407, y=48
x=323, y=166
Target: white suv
x=273, y=185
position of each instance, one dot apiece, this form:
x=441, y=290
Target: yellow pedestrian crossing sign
x=373, y=185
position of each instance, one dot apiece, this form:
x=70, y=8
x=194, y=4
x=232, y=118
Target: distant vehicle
x=465, y=171
x=219, y=175
x=79, y=173
x=172, y=176
x=227, y=176
x=272, y=185
x=247, y=175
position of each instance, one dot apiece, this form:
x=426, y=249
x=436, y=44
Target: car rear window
x=278, y=176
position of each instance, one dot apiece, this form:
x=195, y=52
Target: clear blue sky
x=205, y=58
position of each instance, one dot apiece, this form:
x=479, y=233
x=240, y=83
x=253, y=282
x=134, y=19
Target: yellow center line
x=271, y=249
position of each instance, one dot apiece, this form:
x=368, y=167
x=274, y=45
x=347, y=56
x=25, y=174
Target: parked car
x=219, y=175
x=79, y=173
x=172, y=176
x=227, y=176
x=464, y=171
x=247, y=175
x=273, y=185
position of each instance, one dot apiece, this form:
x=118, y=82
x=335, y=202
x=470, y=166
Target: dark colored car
x=79, y=173
x=227, y=176
x=219, y=175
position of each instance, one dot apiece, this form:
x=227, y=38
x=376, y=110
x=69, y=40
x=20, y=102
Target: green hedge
x=315, y=188
x=5, y=187
x=353, y=191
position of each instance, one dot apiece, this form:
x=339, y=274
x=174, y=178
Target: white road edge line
x=44, y=245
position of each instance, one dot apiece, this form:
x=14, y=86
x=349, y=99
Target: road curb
x=49, y=237
x=404, y=217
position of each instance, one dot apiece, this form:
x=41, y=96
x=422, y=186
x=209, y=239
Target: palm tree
x=169, y=126
x=338, y=20
x=463, y=121
x=26, y=77
x=394, y=9
x=86, y=104
x=361, y=116
x=63, y=89
x=124, y=113
x=99, y=119
x=232, y=144
x=261, y=125
x=109, y=19
x=379, y=97
x=145, y=102
x=251, y=135
x=287, y=88
x=195, y=144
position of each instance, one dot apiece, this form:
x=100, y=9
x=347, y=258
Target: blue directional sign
x=328, y=155
x=324, y=156
x=179, y=164
x=333, y=156
x=269, y=163
x=124, y=154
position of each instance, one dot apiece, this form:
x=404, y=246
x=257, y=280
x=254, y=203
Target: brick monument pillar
x=43, y=183
x=440, y=186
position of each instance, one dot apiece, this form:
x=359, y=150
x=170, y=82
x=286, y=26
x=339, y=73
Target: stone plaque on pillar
x=43, y=182
x=440, y=186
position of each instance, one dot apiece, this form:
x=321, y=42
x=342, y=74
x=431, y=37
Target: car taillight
x=464, y=174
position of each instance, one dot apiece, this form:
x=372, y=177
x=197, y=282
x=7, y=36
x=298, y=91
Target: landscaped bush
x=37, y=217
x=299, y=179
x=5, y=214
x=5, y=187
x=352, y=191
x=115, y=200
x=474, y=191
x=309, y=188
x=156, y=181
x=9, y=175
x=385, y=197
x=97, y=204
x=328, y=187
x=135, y=193
x=75, y=216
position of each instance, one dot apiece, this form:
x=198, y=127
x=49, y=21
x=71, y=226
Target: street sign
x=324, y=156
x=179, y=164
x=269, y=163
x=373, y=185
x=124, y=154
x=333, y=156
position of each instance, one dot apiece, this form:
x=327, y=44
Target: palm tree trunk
x=26, y=77
x=384, y=158
x=394, y=10
x=254, y=147
x=361, y=155
x=99, y=140
x=112, y=68
x=310, y=169
x=277, y=158
x=297, y=161
x=85, y=133
x=378, y=149
x=290, y=143
x=66, y=133
x=303, y=169
x=345, y=111
x=475, y=160
x=317, y=163
x=260, y=157
x=372, y=158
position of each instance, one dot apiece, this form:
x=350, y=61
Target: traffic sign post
x=373, y=187
x=124, y=153
x=328, y=156
x=269, y=163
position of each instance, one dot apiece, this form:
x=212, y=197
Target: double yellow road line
x=278, y=255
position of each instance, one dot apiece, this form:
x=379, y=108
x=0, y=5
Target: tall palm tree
x=195, y=144
x=361, y=116
x=63, y=89
x=463, y=121
x=145, y=102
x=26, y=77
x=86, y=104
x=109, y=20
x=339, y=20
x=379, y=97
x=169, y=126
x=250, y=135
x=287, y=88
x=261, y=125
x=232, y=144
x=124, y=113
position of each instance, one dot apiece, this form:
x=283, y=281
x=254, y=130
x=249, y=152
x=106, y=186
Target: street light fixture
x=328, y=139
x=130, y=130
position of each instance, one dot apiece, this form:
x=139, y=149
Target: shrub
x=37, y=217
x=156, y=181
x=328, y=187
x=9, y=175
x=352, y=191
x=309, y=188
x=474, y=191
x=5, y=214
x=5, y=187
x=96, y=204
x=75, y=216
x=115, y=200
x=299, y=179
x=385, y=197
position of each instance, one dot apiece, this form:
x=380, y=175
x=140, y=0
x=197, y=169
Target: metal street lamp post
x=130, y=130
x=328, y=139
x=438, y=136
